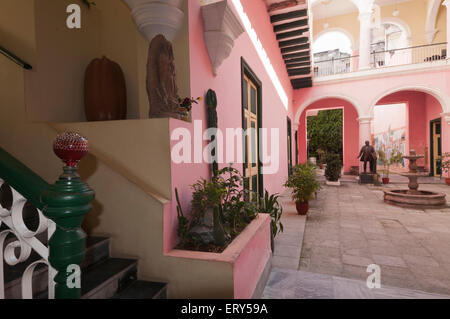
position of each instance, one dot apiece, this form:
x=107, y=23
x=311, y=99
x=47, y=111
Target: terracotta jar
x=105, y=93
x=302, y=208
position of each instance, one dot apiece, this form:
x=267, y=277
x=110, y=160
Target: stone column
x=446, y=3
x=364, y=40
x=364, y=130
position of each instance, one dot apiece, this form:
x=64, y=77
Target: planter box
x=338, y=183
x=240, y=272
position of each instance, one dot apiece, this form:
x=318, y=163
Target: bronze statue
x=368, y=154
x=161, y=79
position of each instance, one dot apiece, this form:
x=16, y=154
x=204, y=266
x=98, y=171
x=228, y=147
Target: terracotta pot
x=447, y=181
x=385, y=180
x=105, y=93
x=184, y=114
x=302, y=208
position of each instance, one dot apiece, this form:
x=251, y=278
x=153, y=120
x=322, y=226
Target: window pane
x=253, y=99
x=245, y=95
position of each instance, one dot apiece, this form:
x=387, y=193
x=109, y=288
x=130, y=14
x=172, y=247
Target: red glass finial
x=71, y=148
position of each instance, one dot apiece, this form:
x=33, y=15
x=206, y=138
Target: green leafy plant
x=183, y=222
x=396, y=157
x=269, y=205
x=321, y=156
x=303, y=182
x=334, y=167
x=325, y=132
x=224, y=196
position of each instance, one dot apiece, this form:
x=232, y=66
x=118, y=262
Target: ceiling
x=291, y=26
x=330, y=8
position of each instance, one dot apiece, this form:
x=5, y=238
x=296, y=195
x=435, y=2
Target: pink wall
x=351, y=131
x=250, y=264
x=393, y=116
x=227, y=85
x=422, y=108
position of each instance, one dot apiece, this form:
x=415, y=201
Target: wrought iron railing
x=50, y=232
x=336, y=66
x=15, y=58
x=382, y=59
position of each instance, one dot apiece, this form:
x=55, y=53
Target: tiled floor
x=292, y=284
x=348, y=228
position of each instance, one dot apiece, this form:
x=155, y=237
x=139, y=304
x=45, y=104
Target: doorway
x=435, y=148
x=251, y=123
x=289, y=145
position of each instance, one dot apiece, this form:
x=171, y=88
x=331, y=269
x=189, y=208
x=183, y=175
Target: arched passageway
x=420, y=125
x=350, y=129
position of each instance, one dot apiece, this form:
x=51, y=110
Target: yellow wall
x=414, y=13
x=54, y=89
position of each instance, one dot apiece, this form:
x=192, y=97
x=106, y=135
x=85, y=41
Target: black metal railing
x=380, y=59
x=15, y=59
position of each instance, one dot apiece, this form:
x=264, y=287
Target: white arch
x=401, y=24
x=432, y=13
x=307, y=103
x=442, y=98
x=337, y=29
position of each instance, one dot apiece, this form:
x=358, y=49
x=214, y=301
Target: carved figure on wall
x=161, y=79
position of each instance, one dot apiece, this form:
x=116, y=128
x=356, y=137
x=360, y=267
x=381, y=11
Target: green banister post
x=66, y=203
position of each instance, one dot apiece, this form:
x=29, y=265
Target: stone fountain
x=413, y=197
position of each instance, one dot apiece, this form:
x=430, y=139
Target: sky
x=332, y=40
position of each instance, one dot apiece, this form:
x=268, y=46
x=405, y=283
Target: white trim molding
x=441, y=97
x=432, y=13
x=446, y=117
x=365, y=119
x=222, y=27
x=307, y=103
x=154, y=17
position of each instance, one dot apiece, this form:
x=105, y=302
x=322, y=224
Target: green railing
x=22, y=179
x=64, y=203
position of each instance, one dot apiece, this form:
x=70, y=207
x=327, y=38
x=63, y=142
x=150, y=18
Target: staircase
x=103, y=277
x=40, y=237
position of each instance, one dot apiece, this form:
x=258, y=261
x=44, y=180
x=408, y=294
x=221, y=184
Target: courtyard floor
x=350, y=227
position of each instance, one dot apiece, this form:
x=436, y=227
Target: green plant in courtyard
x=303, y=183
x=396, y=157
x=334, y=167
x=321, y=156
x=269, y=205
x=325, y=132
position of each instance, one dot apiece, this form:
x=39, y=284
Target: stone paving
x=350, y=227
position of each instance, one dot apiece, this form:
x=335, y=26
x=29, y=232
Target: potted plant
x=445, y=166
x=269, y=205
x=320, y=157
x=395, y=157
x=333, y=170
x=186, y=106
x=304, y=185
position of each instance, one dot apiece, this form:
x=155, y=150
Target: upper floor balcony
x=330, y=66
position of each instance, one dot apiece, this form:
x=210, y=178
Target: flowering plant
x=187, y=102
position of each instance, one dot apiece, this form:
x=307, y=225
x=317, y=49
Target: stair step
x=97, y=250
x=143, y=290
x=104, y=279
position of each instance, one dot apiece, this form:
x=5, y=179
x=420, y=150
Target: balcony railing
x=383, y=59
